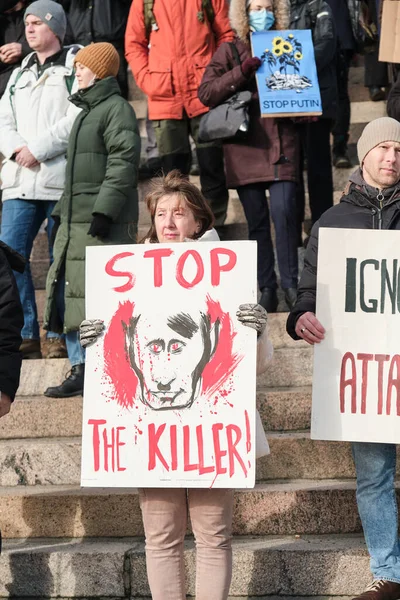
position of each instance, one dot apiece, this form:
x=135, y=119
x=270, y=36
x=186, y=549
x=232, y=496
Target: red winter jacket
x=169, y=67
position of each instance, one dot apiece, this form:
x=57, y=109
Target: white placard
x=170, y=388
x=356, y=384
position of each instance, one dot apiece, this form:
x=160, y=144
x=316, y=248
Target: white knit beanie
x=377, y=131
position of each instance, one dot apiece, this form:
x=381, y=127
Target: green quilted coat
x=101, y=177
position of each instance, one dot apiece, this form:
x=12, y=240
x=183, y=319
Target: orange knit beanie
x=101, y=58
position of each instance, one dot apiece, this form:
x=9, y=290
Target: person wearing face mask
x=100, y=201
x=266, y=157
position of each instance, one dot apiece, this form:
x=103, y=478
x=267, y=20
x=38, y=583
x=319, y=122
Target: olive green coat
x=101, y=177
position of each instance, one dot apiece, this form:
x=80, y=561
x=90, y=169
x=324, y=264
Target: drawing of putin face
x=169, y=356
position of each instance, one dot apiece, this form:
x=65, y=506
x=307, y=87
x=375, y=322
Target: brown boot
x=381, y=590
x=54, y=348
x=30, y=349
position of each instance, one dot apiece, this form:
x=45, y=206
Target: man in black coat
x=11, y=323
x=345, y=13
x=100, y=21
x=371, y=201
x=13, y=44
x=315, y=134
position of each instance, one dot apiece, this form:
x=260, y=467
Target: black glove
x=53, y=234
x=100, y=226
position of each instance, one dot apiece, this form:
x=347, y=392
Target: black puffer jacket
x=12, y=29
x=97, y=20
x=358, y=209
x=317, y=16
x=11, y=321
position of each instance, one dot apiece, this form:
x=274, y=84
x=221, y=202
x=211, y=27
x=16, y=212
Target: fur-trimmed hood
x=239, y=20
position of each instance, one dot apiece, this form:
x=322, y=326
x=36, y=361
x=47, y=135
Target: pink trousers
x=165, y=513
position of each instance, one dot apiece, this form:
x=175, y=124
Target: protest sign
x=356, y=384
x=169, y=398
x=287, y=80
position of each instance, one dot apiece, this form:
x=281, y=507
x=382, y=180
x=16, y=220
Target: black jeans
x=315, y=145
x=375, y=72
x=283, y=211
x=340, y=129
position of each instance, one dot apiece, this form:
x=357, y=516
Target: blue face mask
x=261, y=20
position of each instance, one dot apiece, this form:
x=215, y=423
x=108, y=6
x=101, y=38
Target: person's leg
x=319, y=169
x=172, y=137
x=300, y=189
x=376, y=75
x=164, y=513
x=255, y=208
x=212, y=174
x=340, y=129
x=76, y=354
x=211, y=517
x=73, y=383
x=20, y=223
x=376, y=499
x=54, y=345
x=283, y=212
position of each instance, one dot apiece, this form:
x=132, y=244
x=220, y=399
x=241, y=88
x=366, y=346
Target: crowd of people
x=71, y=159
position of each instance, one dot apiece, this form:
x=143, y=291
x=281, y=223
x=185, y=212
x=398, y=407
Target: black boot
x=269, y=300
x=72, y=386
x=290, y=297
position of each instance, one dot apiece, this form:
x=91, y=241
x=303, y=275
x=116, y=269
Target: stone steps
x=276, y=326
x=56, y=461
x=288, y=566
x=290, y=367
x=277, y=508
x=281, y=409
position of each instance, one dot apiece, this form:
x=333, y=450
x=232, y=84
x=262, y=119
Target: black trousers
x=341, y=127
x=315, y=146
x=283, y=212
x=375, y=72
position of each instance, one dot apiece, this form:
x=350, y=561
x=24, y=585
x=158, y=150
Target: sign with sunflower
x=287, y=80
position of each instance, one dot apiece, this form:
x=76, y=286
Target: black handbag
x=230, y=119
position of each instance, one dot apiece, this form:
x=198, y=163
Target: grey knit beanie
x=377, y=131
x=52, y=14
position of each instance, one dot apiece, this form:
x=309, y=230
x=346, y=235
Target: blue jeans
x=76, y=353
x=376, y=500
x=20, y=224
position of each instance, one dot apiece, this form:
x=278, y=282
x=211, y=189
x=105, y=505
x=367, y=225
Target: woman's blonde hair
x=176, y=184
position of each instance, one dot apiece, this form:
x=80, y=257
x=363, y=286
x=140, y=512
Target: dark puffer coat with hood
x=269, y=150
x=359, y=208
x=101, y=178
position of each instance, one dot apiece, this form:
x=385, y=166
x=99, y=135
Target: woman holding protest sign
x=266, y=156
x=179, y=213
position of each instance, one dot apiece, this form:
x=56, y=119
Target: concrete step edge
x=278, y=485
x=293, y=566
